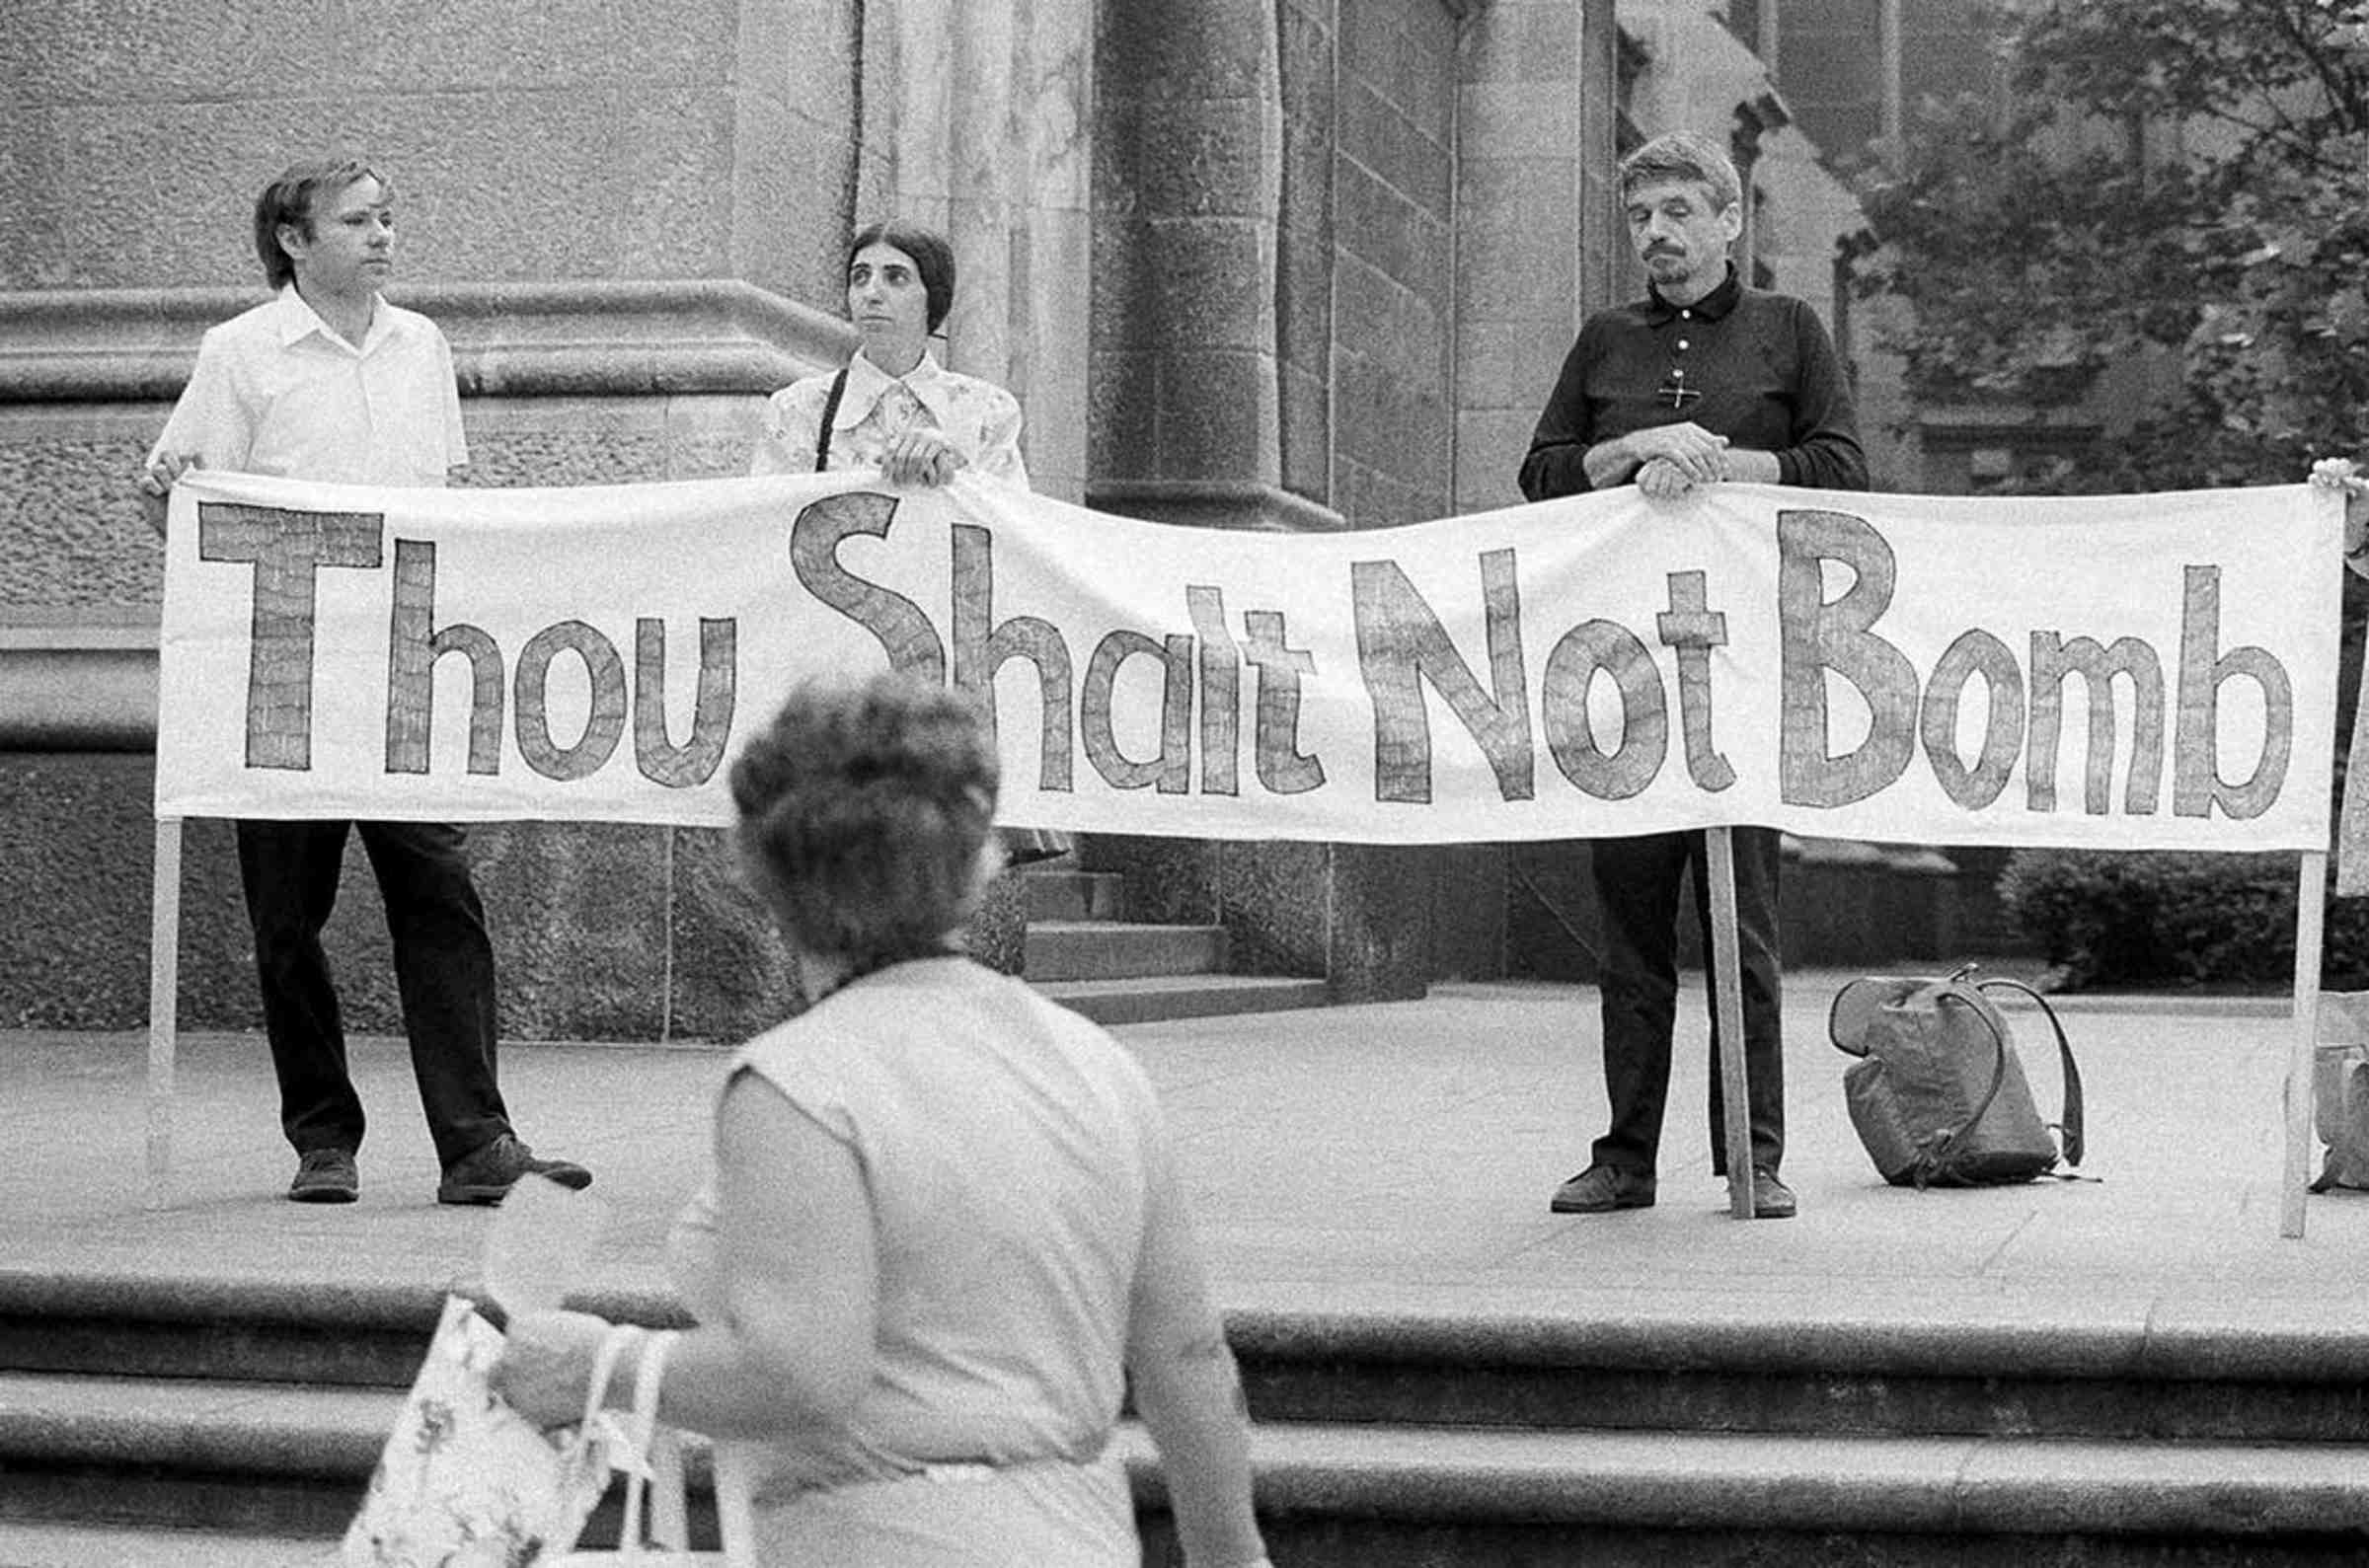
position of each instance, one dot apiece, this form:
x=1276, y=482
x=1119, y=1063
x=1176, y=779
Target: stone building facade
x=1296, y=265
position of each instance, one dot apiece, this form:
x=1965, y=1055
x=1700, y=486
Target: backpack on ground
x=1938, y=1094
x=2340, y=1107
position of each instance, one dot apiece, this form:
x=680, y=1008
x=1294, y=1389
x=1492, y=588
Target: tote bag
x=465, y=1481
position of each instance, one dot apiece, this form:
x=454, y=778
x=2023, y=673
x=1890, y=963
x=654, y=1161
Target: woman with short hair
x=945, y=1232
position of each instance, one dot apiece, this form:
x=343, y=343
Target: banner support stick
x=1727, y=1002
x=2310, y=926
x=164, y=993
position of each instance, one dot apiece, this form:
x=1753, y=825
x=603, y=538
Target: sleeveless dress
x=1004, y=1142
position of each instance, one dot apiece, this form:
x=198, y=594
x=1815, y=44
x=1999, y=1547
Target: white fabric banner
x=2146, y=671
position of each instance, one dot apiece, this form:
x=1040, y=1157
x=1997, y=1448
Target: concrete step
x=252, y=1331
x=1933, y=1374
x=131, y=1457
x=1069, y=894
x=1390, y=1497
x=115, y=1546
x=1943, y=1376
x=1159, y=998
x=1072, y=949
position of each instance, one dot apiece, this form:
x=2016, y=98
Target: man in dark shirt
x=1702, y=381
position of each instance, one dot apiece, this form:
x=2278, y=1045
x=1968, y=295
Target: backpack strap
x=830, y=412
x=2068, y=1130
x=1933, y=1154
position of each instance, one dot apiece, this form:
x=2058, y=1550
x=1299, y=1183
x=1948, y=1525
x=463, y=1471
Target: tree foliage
x=2176, y=187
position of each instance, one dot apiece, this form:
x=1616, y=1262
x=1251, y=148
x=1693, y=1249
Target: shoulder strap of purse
x=830, y=412
x=2068, y=1130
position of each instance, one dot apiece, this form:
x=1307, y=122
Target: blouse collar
x=867, y=383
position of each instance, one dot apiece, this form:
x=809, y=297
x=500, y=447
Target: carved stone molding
x=80, y=683
x=574, y=338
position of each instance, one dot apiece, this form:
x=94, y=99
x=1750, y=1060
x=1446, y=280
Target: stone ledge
x=584, y=338
x=79, y=686
x=1245, y=504
x=1789, y=1482
x=2187, y=1345
x=1928, y=1487
x=2238, y=1340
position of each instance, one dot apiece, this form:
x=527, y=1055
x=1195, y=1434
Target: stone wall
x=630, y=221
x=1298, y=264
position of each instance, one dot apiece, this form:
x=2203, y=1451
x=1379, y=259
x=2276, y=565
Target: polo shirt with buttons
x=1755, y=367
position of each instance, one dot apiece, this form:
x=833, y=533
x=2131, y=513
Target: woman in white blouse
x=894, y=405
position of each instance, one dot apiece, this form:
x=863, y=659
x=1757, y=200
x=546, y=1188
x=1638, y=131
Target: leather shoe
x=326, y=1175
x=1771, y=1199
x=487, y=1175
x=1600, y=1189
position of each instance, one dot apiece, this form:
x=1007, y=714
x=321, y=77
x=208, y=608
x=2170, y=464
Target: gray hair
x=1688, y=156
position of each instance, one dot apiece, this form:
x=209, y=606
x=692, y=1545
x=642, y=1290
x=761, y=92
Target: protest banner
x=2124, y=672
x=2150, y=671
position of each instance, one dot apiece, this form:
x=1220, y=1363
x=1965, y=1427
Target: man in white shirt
x=328, y=381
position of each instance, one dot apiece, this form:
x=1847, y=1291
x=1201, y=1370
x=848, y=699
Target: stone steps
x=95, y=1461
x=38, y=1545
x=136, y=1415
x=1946, y=1375
x=1157, y=999
x=1081, y=950
x=1103, y=949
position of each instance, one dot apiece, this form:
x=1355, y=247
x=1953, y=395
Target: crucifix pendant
x=1677, y=395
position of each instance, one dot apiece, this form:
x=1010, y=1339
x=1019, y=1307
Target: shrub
x=2175, y=918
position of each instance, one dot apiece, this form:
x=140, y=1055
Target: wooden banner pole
x=2311, y=926
x=1728, y=1000
x=164, y=991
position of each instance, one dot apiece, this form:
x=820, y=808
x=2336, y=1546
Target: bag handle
x=2069, y=1128
x=660, y=1462
x=611, y=1350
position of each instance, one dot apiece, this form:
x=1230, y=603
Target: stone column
x=1538, y=246
x=989, y=102
x=1189, y=171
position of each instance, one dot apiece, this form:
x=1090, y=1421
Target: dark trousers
x=443, y=974
x=1636, y=888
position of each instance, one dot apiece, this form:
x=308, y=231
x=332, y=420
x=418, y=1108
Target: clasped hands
x=920, y=456
x=1675, y=457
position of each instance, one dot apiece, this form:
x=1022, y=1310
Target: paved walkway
x=1383, y=1157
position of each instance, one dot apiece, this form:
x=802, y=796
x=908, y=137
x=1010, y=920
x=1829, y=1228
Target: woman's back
x=1004, y=1144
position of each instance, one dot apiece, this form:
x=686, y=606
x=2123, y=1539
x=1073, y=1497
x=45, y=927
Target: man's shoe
x=1600, y=1189
x=487, y=1175
x=326, y=1175
x=1771, y=1199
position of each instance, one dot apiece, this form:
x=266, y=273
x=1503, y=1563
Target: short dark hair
x=864, y=809
x=933, y=257
x=1684, y=155
x=289, y=201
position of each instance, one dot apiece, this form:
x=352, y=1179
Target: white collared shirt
x=979, y=417
x=276, y=391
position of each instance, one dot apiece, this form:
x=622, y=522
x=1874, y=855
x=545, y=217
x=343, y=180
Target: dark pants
x=1636, y=888
x=444, y=973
